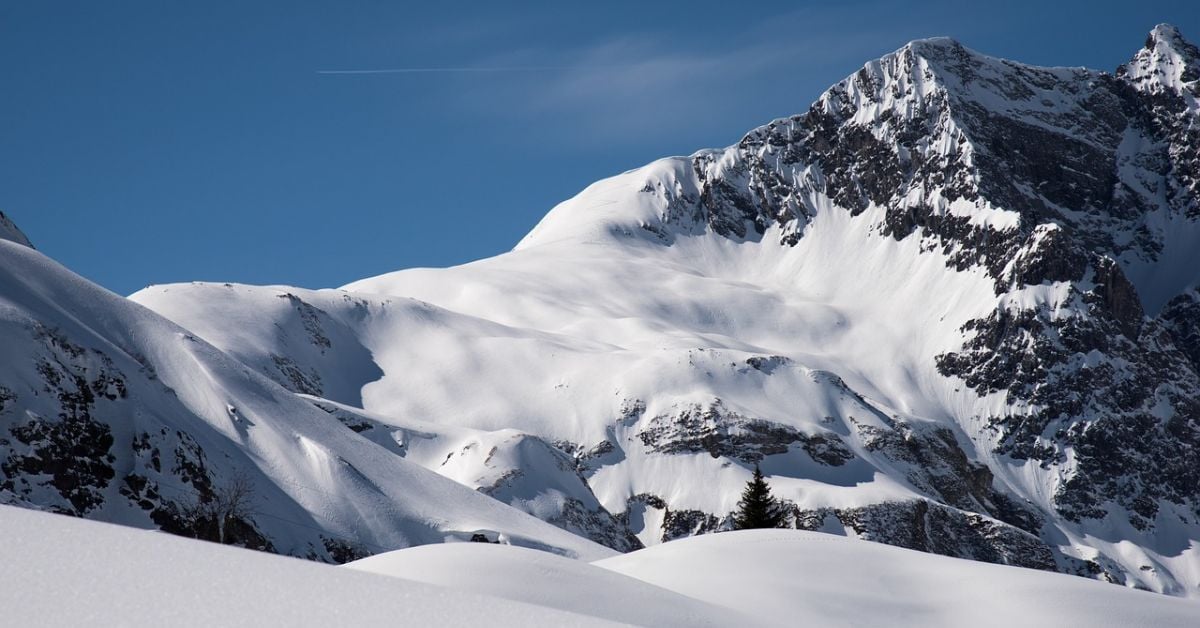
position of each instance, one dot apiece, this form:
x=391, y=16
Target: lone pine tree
x=758, y=508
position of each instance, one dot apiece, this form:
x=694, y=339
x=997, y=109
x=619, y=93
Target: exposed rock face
x=1165, y=74
x=932, y=527
x=67, y=455
x=722, y=433
x=76, y=462
x=1181, y=317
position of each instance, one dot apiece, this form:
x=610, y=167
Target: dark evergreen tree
x=758, y=508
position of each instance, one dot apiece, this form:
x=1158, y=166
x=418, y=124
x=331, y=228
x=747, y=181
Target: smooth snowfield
x=72, y=572
x=541, y=578
x=794, y=578
x=785, y=578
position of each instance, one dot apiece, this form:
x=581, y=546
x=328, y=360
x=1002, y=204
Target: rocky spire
x=1167, y=62
x=9, y=231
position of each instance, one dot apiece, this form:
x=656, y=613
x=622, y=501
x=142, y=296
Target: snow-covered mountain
x=952, y=307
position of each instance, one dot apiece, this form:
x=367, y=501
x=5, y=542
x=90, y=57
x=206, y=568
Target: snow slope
x=60, y=571
x=617, y=377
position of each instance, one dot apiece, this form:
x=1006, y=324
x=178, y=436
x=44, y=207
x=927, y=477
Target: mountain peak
x=935, y=42
x=9, y=231
x=1167, y=62
x=1165, y=33
x=937, y=46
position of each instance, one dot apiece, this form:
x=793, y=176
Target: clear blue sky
x=150, y=142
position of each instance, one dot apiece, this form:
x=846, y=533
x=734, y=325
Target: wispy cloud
x=439, y=70
x=632, y=89
x=658, y=86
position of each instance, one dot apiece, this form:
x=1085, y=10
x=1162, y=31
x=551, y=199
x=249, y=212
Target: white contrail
x=433, y=70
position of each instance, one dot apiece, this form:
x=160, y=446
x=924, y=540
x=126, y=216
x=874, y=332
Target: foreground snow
x=526, y=575
x=786, y=577
x=60, y=571
x=797, y=578
x=70, y=572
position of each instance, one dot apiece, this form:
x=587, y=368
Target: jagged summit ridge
x=1167, y=62
x=981, y=154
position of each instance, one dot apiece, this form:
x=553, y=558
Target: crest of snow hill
x=953, y=307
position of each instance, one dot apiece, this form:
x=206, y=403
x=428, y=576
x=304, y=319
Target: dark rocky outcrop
x=931, y=527
x=715, y=430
